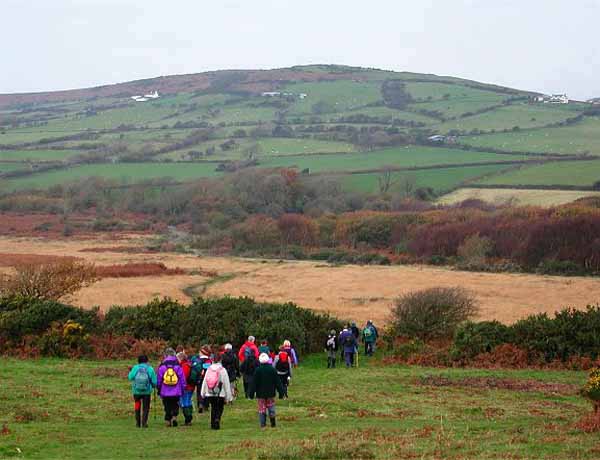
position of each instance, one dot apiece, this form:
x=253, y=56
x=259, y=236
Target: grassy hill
x=83, y=409
x=333, y=120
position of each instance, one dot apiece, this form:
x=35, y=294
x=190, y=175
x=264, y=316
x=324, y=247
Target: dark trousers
x=217, y=404
x=369, y=348
x=247, y=382
x=349, y=358
x=202, y=402
x=171, y=404
x=142, y=409
x=284, y=383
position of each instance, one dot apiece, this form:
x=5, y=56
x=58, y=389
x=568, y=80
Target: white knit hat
x=263, y=358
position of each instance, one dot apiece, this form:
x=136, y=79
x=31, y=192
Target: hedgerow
x=48, y=328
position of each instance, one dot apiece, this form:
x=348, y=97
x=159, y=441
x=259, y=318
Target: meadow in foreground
x=83, y=409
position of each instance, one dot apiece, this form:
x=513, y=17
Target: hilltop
x=347, y=124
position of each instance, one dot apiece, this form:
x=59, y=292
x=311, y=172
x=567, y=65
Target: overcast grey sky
x=543, y=45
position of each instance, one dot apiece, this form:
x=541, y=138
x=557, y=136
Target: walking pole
x=154, y=404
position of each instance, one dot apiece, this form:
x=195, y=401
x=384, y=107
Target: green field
x=265, y=147
x=402, y=157
x=522, y=115
x=79, y=409
x=37, y=155
x=8, y=167
x=440, y=180
x=280, y=146
x=122, y=172
x=570, y=173
x=583, y=137
x=458, y=100
x=435, y=91
x=340, y=95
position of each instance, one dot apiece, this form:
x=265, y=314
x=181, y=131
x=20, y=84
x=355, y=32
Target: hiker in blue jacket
x=143, y=382
x=349, y=344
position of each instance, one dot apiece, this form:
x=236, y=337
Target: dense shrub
x=158, y=319
x=570, y=333
x=472, y=339
x=54, y=329
x=20, y=317
x=221, y=320
x=432, y=313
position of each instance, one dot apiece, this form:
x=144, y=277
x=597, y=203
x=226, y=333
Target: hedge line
x=571, y=333
x=212, y=321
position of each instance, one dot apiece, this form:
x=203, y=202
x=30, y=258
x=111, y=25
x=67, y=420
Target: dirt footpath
x=356, y=292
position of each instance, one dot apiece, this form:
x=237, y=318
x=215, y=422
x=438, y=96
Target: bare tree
x=386, y=179
x=48, y=281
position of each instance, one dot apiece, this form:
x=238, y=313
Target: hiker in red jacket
x=248, y=348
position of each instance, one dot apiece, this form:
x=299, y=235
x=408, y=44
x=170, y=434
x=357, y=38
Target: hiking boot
x=145, y=425
x=168, y=423
x=174, y=423
x=273, y=424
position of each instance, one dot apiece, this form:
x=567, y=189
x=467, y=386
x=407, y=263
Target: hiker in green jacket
x=263, y=386
x=143, y=382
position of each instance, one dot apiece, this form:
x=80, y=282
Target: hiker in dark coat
x=264, y=385
x=349, y=344
x=231, y=363
x=199, y=364
x=331, y=347
x=247, y=369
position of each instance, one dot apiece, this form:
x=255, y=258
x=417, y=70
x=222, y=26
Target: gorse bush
x=569, y=334
x=221, y=320
x=20, y=316
x=432, y=313
x=55, y=329
x=472, y=339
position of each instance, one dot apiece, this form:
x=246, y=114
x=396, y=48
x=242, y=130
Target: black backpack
x=282, y=366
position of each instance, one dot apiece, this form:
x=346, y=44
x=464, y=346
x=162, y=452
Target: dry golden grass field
x=516, y=197
x=353, y=292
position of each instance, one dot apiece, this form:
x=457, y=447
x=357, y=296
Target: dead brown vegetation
x=493, y=383
x=136, y=270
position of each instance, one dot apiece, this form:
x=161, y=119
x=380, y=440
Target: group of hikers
x=213, y=374
x=348, y=341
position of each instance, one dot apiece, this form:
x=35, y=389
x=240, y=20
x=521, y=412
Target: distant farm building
x=279, y=93
x=553, y=99
x=146, y=97
x=438, y=138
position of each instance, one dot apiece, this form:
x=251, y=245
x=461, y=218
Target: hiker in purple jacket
x=171, y=385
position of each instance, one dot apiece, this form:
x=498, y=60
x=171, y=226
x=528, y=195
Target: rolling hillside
x=351, y=124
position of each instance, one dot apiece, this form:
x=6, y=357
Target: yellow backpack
x=170, y=377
